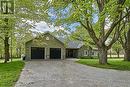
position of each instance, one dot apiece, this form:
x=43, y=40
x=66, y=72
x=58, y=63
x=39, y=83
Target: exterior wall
x=81, y=51
x=71, y=53
x=47, y=42
x=86, y=51
x=95, y=52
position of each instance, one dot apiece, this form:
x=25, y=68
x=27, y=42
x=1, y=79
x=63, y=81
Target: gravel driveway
x=66, y=73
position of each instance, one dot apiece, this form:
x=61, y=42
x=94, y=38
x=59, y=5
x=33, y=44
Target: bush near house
x=9, y=73
x=117, y=64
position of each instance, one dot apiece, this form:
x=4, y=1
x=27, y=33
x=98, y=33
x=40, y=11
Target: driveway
x=67, y=73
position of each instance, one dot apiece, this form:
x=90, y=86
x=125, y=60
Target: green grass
x=88, y=57
x=117, y=64
x=9, y=73
x=14, y=59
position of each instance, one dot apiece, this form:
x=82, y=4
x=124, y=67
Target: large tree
x=125, y=36
x=25, y=13
x=95, y=16
x=6, y=29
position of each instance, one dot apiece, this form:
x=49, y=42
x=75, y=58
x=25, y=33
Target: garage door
x=55, y=53
x=37, y=53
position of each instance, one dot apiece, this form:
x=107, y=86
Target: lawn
x=9, y=73
x=117, y=64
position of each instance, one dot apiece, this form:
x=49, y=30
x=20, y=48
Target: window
x=92, y=53
x=85, y=52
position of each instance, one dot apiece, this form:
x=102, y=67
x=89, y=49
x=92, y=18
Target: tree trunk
x=103, y=55
x=17, y=52
x=1, y=56
x=20, y=52
x=110, y=53
x=6, y=49
x=127, y=55
x=118, y=55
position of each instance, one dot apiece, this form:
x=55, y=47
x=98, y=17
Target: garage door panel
x=55, y=53
x=37, y=53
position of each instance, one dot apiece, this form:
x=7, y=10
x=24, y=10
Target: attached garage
x=55, y=53
x=45, y=47
x=37, y=53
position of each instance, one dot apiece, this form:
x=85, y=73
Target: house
x=47, y=46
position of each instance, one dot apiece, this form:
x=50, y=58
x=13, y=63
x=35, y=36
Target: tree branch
x=114, y=24
x=117, y=34
x=1, y=38
x=91, y=32
x=125, y=36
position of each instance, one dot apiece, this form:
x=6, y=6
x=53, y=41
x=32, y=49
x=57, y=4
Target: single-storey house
x=47, y=46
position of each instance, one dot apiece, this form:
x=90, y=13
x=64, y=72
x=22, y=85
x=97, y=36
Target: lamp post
x=6, y=9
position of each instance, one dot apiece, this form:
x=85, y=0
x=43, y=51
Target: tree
x=1, y=49
x=25, y=10
x=106, y=12
x=125, y=36
x=127, y=56
x=22, y=36
x=5, y=32
x=81, y=34
x=117, y=48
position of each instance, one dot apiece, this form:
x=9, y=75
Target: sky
x=43, y=27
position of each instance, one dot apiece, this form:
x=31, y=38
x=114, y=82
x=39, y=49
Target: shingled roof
x=71, y=43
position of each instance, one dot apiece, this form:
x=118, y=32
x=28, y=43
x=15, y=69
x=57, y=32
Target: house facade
x=48, y=46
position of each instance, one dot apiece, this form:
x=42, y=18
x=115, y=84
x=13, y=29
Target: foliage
x=83, y=11
x=33, y=10
x=117, y=47
x=9, y=73
x=99, y=18
x=81, y=34
x=61, y=33
x=117, y=64
x=19, y=23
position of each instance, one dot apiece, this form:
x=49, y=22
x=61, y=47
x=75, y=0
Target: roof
x=74, y=44
x=71, y=44
x=45, y=34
